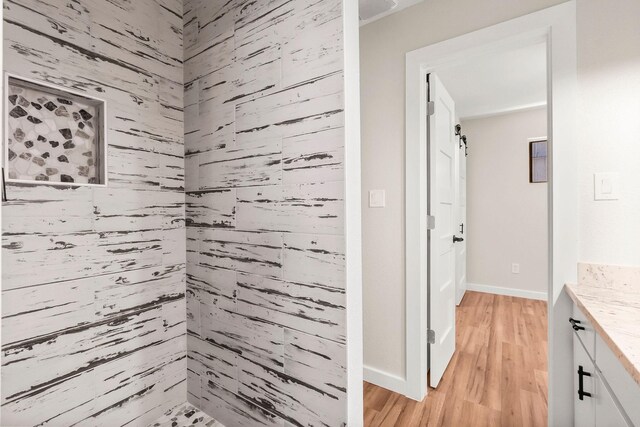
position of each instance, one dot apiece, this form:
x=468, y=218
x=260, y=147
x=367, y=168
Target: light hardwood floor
x=497, y=376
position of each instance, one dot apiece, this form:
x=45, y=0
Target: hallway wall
x=264, y=140
x=506, y=214
x=93, y=326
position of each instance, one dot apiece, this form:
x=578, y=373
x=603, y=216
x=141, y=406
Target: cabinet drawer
x=622, y=384
x=584, y=331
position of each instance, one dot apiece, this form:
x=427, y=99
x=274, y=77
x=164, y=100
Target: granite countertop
x=610, y=298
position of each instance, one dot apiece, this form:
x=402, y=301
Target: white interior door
x=461, y=246
x=442, y=178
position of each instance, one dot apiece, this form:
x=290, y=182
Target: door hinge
x=431, y=107
x=431, y=222
x=431, y=336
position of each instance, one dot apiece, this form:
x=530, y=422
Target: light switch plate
x=376, y=199
x=606, y=186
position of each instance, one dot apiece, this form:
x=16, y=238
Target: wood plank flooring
x=497, y=376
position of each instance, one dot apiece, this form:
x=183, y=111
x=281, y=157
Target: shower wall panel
x=93, y=315
x=264, y=143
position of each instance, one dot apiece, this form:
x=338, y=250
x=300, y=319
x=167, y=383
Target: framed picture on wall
x=538, y=160
x=53, y=135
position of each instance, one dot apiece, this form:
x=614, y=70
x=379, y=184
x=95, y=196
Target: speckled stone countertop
x=610, y=298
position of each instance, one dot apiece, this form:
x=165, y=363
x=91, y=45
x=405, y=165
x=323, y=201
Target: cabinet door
x=623, y=387
x=585, y=407
x=607, y=413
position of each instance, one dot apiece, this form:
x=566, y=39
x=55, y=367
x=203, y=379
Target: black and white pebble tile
x=185, y=415
x=50, y=142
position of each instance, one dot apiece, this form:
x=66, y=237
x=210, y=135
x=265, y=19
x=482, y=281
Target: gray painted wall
x=264, y=140
x=506, y=214
x=93, y=326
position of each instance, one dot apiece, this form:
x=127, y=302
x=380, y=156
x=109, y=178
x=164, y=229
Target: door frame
x=556, y=26
x=352, y=213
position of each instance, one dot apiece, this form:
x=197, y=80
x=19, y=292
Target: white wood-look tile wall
x=93, y=315
x=96, y=326
x=264, y=141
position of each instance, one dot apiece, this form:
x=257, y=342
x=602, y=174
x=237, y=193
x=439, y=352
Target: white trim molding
x=503, y=111
x=511, y=292
x=460, y=294
x=385, y=380
x=353, y=219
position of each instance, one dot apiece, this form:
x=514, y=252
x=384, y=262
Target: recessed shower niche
x=53, y=135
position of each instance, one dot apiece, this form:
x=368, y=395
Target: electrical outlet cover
x=377, y=199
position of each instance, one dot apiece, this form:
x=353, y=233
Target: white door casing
x=442, y=147
x=461, y=224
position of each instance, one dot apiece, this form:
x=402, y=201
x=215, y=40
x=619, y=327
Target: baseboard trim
x=460, y=295
x=385, y=380
x=506, y=291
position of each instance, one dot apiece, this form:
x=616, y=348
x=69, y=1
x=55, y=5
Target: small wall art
x=538, y=160
x=53, y=135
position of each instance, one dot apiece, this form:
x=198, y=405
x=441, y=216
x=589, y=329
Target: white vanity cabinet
x=605, y=395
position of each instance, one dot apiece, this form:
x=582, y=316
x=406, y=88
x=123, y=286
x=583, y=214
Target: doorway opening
x=487, y=189
x=488, y=237
x=489, y=247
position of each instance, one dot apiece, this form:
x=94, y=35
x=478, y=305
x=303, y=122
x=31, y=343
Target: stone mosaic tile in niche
x=51, y=136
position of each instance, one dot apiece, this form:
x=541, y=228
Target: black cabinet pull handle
x=575, y=324
x=457, y=239
x=581, y=374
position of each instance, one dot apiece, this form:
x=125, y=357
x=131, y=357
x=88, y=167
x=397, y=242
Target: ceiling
x=498, y=83
x=367, y=5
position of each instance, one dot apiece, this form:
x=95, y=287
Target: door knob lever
x=457, y=239
x=575, y=324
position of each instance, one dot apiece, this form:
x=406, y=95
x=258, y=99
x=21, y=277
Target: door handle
x=457, y=239
x=581, y=374
x=575, y=324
